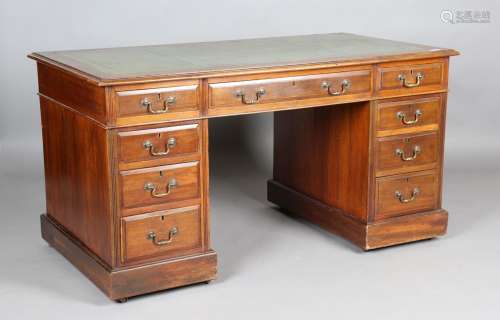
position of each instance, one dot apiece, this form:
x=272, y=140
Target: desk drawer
x=409, y=115
x=404, y=194
x=161, y=234
x=158, y=143
x=275, y=90
x=407, y=77
x=149, y=186
x=407, y=153
x=157, y=102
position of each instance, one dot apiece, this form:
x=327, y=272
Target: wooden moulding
x=123, y=283
x=389, y=232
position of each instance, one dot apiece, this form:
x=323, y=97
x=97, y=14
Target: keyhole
x=162, y=218
x=159, y=96
x=161, y=173
x=293, y=83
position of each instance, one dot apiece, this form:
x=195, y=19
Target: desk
x=358, y=147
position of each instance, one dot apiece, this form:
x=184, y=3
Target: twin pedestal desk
x=358, y=147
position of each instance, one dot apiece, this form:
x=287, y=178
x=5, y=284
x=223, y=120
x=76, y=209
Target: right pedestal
x=368, y=171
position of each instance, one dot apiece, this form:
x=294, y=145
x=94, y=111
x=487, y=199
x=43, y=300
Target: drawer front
x=161, y=234
x=399, y=195
x=409, y=115
x=407, y=153
x=158, y=143
x=254, y=92
x=158, y=102
x=143, y=187
x=407, y=77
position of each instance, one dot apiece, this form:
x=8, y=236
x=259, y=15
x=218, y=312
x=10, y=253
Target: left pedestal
x=127, y=203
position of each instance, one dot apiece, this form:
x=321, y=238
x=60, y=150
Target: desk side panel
x=73, y=91
x=324, y=154
x=77, y=177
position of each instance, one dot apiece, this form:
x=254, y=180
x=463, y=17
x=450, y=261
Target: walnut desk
x=358, y=147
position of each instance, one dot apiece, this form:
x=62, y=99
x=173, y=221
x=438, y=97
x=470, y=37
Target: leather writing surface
x=164, y=60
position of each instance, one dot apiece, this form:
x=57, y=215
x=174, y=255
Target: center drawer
x=275, y=90
x=149, y=186
x=161, y=234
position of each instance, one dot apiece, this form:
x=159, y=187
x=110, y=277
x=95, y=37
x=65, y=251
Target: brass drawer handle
x=402, y=116
x=151, y=187
x=416, y=151
x=259, y=93
x=402, y=199
x=171, y=142
x=146, y=103
x=345, y=84
x=418, y=80
x=171, y=234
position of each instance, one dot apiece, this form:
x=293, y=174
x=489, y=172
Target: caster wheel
x=122, y=300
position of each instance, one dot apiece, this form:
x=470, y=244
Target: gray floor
x=270, y=264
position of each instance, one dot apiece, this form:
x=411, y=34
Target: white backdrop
x=270, y=266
